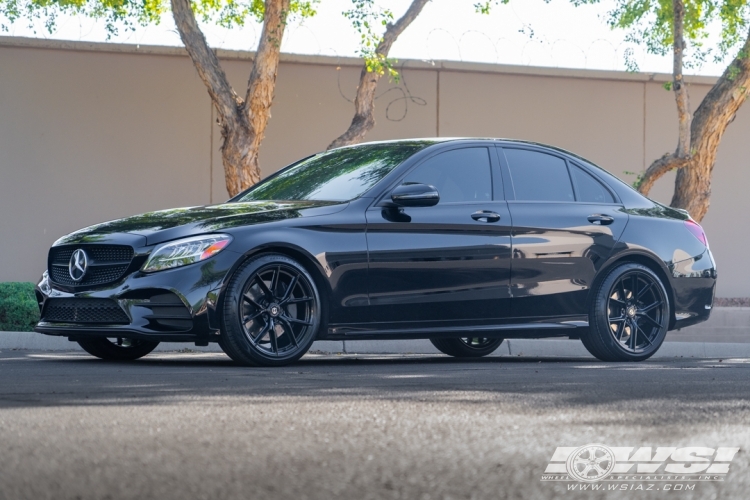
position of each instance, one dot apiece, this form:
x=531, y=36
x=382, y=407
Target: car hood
x=174, y=223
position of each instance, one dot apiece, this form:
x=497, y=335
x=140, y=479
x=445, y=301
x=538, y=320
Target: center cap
x=274, y=310
x=631, y=311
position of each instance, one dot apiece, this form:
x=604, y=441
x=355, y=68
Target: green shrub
x=19, y=310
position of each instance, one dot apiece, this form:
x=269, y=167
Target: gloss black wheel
x=466, y=347
x=118, y=348
x=271, y=312
x=630, y=315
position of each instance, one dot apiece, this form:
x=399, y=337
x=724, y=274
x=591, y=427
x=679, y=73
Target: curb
x=531, y=348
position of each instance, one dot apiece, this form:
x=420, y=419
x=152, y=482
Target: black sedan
x=464, y=242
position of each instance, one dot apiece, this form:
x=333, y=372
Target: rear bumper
x=694, y=284
x=197, y=286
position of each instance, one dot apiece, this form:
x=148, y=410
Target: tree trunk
x=243, y=121
x=364, y=102
x=681, y=155
x=717, y=110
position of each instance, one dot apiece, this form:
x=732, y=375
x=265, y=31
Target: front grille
x=99, y=311
x=107, y=264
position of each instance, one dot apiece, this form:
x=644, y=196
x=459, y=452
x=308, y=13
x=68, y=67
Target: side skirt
x=571, y=329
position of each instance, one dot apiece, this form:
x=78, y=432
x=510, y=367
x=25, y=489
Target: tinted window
x=338, y=175
x=459, y=175
x=539, y=176
x=589, y=189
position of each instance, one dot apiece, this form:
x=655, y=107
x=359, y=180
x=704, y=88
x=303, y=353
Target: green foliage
x=19, y=311
x=650, y=23
x=485, y=6
x=371, y=21
x=129, y=14
x=638, y=178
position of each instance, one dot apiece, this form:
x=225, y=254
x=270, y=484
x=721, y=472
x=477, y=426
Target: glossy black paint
x=502, y=267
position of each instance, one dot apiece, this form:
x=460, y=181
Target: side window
x=538, y=176
x=460, y=175
x=590, y=190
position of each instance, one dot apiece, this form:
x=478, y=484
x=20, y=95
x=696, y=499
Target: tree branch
x=262, y=80
x=223, y=96
x=364, y=103
x=678, y=84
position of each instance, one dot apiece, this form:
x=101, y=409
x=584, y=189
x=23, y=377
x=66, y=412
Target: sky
x=563, y=35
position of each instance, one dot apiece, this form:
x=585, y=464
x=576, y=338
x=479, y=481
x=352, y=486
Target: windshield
x=338, y=175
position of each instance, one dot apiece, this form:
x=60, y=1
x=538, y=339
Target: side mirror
x=415, y=195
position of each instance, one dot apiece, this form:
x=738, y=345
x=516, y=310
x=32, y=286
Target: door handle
x=485, y=216
x=600, y=219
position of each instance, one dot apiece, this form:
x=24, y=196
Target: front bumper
x=198, y=287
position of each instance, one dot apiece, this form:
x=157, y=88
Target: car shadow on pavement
x=74, y=379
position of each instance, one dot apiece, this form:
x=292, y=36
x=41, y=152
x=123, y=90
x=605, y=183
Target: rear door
x=446, y=264
x=565, y=225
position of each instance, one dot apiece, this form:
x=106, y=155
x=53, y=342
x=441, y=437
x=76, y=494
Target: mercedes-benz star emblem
x=78, y=265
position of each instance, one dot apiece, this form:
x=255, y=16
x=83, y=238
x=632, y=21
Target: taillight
x=697, y=231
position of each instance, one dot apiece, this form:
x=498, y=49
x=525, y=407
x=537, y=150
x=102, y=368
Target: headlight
x=187, y=251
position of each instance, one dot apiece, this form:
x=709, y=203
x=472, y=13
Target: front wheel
x=119, y=349
x=272, y=312
x=467, y=347
x=629, y=315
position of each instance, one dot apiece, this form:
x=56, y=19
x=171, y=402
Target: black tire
x=629, y=315
x=467, y=347
x=118, y=350
x=271, y=313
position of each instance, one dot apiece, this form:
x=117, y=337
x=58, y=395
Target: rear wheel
x=271, y=312
x=629, y=315
x=467, y=347
x=117, y=349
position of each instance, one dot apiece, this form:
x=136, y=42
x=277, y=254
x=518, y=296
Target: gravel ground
x=189, y=425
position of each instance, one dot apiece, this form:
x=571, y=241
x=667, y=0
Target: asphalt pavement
x=193, y=425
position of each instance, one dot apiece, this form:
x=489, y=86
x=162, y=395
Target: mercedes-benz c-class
x=464, y=242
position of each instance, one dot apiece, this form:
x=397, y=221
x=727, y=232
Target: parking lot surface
x=193, y=425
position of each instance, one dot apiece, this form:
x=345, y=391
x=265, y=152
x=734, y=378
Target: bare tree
x=364, y=102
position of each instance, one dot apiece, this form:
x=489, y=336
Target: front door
x=565, y=225
x=447, y=264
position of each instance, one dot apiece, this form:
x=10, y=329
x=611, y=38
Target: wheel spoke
x=297, y=300
x=651, y=320
x=290, y=288
x=263, y=331
x=245, y=319
x=263, y=287
x=633, y=335
x=634, y=285
x=275, y=280
x=643, y=334
x=273, y=337
x=650, y=307
x=290, y=330
x=644, y=290
x=618, y=302
x=248, y=298
x=620, y=331
x=621, y=290
x=299, y=321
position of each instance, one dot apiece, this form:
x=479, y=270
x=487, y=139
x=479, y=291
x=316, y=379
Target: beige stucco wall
x=91, y=132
